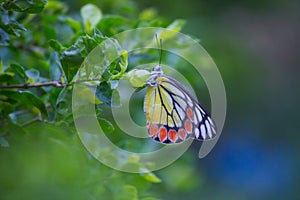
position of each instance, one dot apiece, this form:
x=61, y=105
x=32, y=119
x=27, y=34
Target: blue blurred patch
x=252, y=167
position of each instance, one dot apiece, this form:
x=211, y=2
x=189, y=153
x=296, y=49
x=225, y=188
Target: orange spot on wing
x=182, y=134
x=172, y=135
x=190, y=114
x=162, y=134
x=188, y=126
x=153, y=130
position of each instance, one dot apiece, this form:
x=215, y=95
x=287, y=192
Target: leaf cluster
x=42, y=48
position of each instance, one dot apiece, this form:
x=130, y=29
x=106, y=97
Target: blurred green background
x=255, y=45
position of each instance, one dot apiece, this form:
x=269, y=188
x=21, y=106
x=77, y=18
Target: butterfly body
x=173, y=114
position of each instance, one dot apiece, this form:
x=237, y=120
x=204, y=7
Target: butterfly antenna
x=160, y=53
x=159, y=45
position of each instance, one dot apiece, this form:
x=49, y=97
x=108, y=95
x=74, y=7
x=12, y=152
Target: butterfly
x=174, y=114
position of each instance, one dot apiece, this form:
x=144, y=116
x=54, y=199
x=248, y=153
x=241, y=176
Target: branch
x=26, y=86
x=51, y=83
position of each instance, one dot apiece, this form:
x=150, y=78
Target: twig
x=26, y=86
x=51, y=83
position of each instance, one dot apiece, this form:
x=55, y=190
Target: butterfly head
x=156, y=72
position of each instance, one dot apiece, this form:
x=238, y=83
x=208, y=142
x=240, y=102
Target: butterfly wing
x=174, y=114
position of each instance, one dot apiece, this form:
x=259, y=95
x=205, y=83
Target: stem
x=26, y=86
x=51, y=83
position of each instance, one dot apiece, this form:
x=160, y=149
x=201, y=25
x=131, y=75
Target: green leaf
x=107, y=95
x=55, y=44
x=55, y=67
x=26, y=98
x=115, y=100
x=4, y=38
x=6, y=108
x=113, y=84
x=19, y=71
x=29, y=98
x=127, y=192
x=63, y=104
x=16, y=28
x=148, y=14
x=104, y=93
x=75, y=25
x=33, y=76
x=174, y=27
x=112, y=24
x=6, y=77
x=9, y=26
x=123, y=63
x=91, y=42
x=106, y=125
x=151, y=178
x=137, y=77
x=91, y=15
x=28, y=6
x=71, y=60
x=50, y=32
